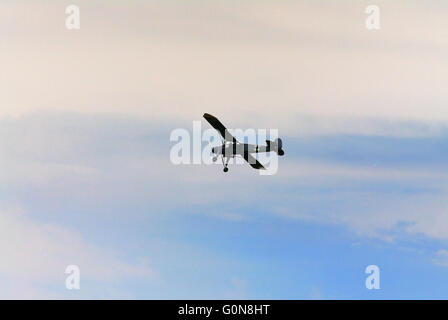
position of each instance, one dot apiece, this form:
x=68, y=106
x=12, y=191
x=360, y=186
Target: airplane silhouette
x=231, y=147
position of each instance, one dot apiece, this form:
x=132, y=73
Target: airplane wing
x=252, y=161
x=215, y=123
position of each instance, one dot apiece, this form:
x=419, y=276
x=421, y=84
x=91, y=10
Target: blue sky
x=85, y=123
x=199, y=233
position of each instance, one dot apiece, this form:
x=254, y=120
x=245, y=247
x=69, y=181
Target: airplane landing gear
x=225, y=163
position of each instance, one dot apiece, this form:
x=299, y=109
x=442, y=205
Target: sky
x=86, y=176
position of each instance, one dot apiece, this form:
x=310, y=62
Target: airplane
x=231, y=147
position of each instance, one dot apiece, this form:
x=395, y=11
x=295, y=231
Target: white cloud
x=253, y=64
x=317, y=171
x=35, y=254
x=379, y=215
x=116, y=162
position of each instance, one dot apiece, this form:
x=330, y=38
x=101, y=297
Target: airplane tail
x=275, y=146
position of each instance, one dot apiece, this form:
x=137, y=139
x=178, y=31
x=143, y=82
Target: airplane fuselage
x=232, y=148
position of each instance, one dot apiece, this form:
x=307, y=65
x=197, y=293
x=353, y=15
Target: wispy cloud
x=85, y=119
x=323, y=180
x=441, y=258
x=35, y=255
x=256, y=64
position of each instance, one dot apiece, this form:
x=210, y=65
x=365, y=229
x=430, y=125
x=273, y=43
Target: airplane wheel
x=226, y=169
x=214, y=159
